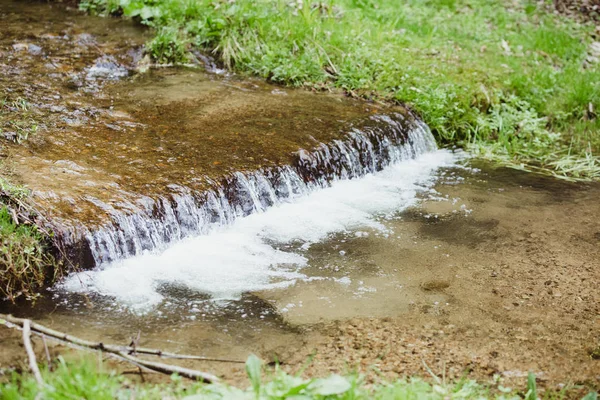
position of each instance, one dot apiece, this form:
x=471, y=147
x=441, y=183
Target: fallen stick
x=170, y=369
x=122, y=352
x=48, y=359
x=30, y=354
x=109, y=347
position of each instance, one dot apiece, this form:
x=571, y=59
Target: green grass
x=84, y=379
x=26, y=265
x=506, y=79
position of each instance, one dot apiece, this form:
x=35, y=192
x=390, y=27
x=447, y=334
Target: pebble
x=31, y=48
x=34, y=49
x=20, y=46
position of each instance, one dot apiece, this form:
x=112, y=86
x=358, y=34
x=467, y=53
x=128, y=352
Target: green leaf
x=254, y=369
x=333, y=385
x=531, y=387
x=590, y=396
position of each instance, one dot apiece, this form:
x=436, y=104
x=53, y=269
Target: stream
x=224, y=216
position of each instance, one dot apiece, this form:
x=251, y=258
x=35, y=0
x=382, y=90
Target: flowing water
x=266, y=249
x=223, y=216
x=190, y=196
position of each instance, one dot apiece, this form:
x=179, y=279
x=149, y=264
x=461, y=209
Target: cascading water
x=183, y=213
x=250, y=233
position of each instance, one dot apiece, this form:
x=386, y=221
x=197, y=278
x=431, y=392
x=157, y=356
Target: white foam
x=245, y=256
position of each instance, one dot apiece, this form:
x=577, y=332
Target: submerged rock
x=28, y=47
x=107, y=68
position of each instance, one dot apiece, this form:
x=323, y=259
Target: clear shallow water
x=466, y=234
x=265, y=250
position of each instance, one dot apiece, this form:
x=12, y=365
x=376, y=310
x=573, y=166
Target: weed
x=11, y=190
x=25, y=263
x=168, y=45
x=81, y=379
x=16, y=121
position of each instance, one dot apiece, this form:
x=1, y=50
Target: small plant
x=16, y=122
x=100, y=7
x=168, y=46
x=531, y=387
x=83, y=380
x=25, y=264
x=11, y=190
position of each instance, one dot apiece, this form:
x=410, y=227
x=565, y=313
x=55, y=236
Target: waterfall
x=153, y=223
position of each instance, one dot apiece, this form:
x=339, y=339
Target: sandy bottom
x=495, y=274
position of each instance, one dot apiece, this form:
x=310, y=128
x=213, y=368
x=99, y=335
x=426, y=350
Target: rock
x=12, y=136
x=106, y=68
x=85, y=39
x=20, y=46
x=29, y=47
x=34, y=49
x=143, y=65
x=58, y=109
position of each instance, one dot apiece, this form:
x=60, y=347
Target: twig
x=109, y=347
x=46, y=350
x=140, y=367
x=171, y=369
x=137, y=371
x=30, y=354
x=122, y=352
x=14, y=216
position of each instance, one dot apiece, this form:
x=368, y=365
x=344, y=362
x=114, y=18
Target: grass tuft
x=16, y=121
x=84, y=379
x=26, y=265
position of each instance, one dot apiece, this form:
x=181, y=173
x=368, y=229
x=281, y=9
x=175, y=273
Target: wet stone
x=20, y=46
x=34, y=49
x=107, y=67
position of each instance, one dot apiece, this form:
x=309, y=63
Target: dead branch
x=109, y=347
x=121, y=352
x=171, y=369
x=30, y=354
x=48, y=359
